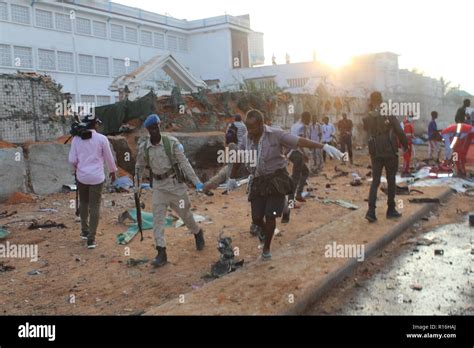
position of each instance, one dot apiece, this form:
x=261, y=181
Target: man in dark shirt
x=461, y=113
x=345, y=129
x=383, y=148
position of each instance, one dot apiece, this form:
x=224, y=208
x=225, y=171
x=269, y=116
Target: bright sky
x=434, y=36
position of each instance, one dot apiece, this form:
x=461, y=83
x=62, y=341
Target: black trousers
x=391, y=167
x=300, y=173
x=346, y=141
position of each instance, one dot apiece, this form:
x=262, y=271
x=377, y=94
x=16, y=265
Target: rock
x=417, y=287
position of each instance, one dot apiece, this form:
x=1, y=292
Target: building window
x=5, y=55
x=299, y=82
x=46, y=59
x=146, y=38
x=159, y=40
x=119, y=67
x=83, y=26
x=23, y=57
x=3, y=11
x=131, y=34
x=183, y=44
x=89, y=99
x=103, y=100
x=65, y=61
x=116, y=32
x=102, y=66
x=133, y=65
x=86, y=64
x=99, y=29
x=20, y=14
x=44, y=19
x=172, y=43
x=63, y=22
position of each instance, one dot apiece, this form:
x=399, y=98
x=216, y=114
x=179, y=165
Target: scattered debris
x=5, y=268
x=341, y=203
x=47, y=224
x=427, y=241
x=34, y=272
x=424, y=200
x=5, y=214
x=439, y=252
x=70, y=188
x=226, y=263
x=356, y=180
x=135, y=262
x=416, y=287
x=197, y=218
x=47, y=210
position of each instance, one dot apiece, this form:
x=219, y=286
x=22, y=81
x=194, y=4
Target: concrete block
x=49, y=167
x=12, y=172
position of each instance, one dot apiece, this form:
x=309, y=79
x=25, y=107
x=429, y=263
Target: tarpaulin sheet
x=113, y=116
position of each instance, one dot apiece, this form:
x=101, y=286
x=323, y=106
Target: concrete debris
x=5, y=268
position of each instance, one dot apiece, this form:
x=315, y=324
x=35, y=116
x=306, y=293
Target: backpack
x=231, y=134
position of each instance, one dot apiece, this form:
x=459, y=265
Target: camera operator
x=89, y=150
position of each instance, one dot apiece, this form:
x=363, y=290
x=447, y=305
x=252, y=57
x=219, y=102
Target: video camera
x=80, y=129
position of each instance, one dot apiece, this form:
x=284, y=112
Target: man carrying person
x=328, y=133
x=433, y=138
x=87, y=156
x=270, y=181
x=345, y=127
x=170, y=167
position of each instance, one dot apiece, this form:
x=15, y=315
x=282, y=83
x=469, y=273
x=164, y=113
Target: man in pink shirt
x=87, y=156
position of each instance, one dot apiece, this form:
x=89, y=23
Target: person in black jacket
x=383, y=148
x=461, y=113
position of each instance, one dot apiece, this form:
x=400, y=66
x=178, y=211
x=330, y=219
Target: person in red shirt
x=410, y=134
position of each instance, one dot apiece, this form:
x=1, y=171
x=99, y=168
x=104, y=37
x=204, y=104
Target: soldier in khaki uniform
x=167, y=188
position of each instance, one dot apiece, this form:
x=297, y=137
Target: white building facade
x=84, y=44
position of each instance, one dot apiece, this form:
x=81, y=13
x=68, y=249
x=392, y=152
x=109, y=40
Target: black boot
x=161, y=259
x=392, y=213
x=371, y=215
x=199, y=237
x=285, y=218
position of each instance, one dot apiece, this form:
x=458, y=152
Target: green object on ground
x=3, y=233
x=147, y=224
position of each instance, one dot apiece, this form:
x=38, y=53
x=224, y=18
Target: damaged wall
x=28, y=108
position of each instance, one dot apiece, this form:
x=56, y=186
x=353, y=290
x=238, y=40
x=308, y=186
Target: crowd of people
x=272, y=191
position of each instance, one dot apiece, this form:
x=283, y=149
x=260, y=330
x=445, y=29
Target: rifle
x=136, y=196
x=77, y=195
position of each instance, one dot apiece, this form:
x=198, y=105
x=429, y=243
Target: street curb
x=321, y=287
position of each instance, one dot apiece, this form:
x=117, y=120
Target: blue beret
x=151, y=120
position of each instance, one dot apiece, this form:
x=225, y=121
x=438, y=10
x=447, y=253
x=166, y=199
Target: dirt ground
x=74, y=280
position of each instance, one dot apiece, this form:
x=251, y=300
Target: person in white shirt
x=315, y=135
x=241, y=129
x=328, y=132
